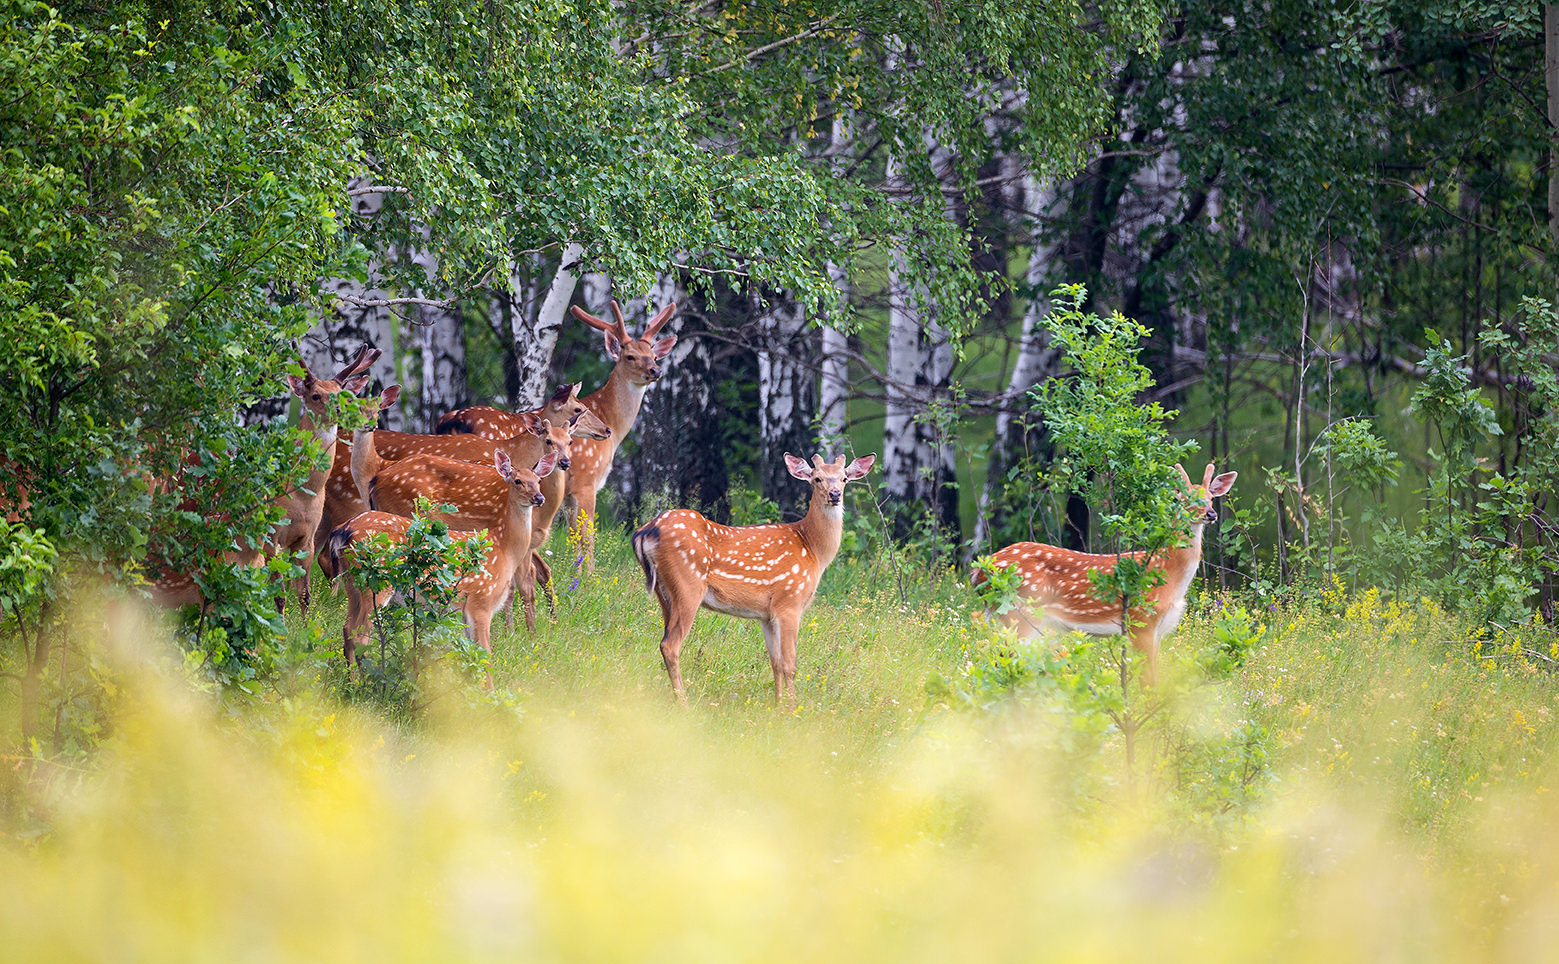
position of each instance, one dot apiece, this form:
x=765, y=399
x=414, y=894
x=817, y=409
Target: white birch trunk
x=440, y=340
x=535, y=330
x=920, y=360
x=787, y=400
x=834, y=363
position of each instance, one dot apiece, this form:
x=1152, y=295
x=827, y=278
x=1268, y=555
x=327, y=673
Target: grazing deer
x=1056, y=594
x=396, y=487
x=617, y=403
x=482, y=592
x=768, y=572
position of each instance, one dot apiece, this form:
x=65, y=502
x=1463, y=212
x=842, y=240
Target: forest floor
x=1367, y=783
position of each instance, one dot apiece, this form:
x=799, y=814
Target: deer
x=481, y=593
x=371, y=449
x=564, y=407
x=1056, y=595
x=494, y=423
x=765, y=572
x=302, y=504
x=396, y=487
x=305, y=504
x=636, y=368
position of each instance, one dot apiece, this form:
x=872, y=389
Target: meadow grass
x=1368, y=785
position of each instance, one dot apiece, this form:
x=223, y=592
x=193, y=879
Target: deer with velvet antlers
x=1055, y=594
x=766, y=572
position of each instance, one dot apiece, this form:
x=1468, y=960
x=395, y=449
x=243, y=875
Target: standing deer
x=563, y=407
x=1056, y=594
x=617, y=403
x=478, y=504
x=482, y=592
x=767, y=572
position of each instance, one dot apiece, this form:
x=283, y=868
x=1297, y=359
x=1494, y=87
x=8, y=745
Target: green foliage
x=1113, y=449
x=423, y=569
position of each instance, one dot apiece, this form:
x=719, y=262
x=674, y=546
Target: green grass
x=1399, y=807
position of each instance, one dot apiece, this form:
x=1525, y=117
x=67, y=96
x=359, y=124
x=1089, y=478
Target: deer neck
x=325, y=435
x=822, y=528
x=512, y=538
x=617, y=404
x=365, y=460
x=1180, y=563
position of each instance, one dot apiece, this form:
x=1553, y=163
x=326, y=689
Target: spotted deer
x=302, y=504
x=481, y=593
x=374, y=448
x=766, y=572
x=1055, y=594
x=617, y=403
x=565, y=407
x=396, y=487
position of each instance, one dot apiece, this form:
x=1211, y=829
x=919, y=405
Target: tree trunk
x=787, y=395
x=1551, y=79
x=1019, y=431
x=535, y=331
x=833, y=363
x=440, y=340
x=681, y=453
x=918, y=469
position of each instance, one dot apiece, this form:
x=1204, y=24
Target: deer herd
x=508, y=473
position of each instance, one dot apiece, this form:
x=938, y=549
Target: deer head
x=828, y=478
x=525, y=484
x=316, y=392
x=565, y=406
x=1199, y=498
x=638, y=358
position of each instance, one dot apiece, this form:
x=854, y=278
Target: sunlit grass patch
x=1361, y=786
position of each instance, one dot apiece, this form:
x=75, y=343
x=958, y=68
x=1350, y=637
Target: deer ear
x=798, y=467
x=502, y=464
x=387, y=399
x=546, y=465
x=533, y=423
x=560, y=397
x=1185, y=478
x=1222, y=484
x=298, y=385
x=859, y=468
x=663, y=347
x=614, y=348
x=357, y=384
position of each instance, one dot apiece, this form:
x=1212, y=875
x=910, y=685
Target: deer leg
x=789, y=625
x=1144, y=639
x=544, y=580
x=301, y=583
x=771, y=641
x=678, y=611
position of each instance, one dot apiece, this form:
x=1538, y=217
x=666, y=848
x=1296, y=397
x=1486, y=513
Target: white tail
x=768, y=572
x=481, y=593
x=617, y=403
x=1056, y=595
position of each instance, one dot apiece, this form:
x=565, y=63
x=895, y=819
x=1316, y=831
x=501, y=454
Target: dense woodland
x=1030, y=255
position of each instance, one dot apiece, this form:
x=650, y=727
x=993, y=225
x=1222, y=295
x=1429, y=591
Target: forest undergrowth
x=1342, y=776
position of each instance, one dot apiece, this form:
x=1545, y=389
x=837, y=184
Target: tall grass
x=1399, y=806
